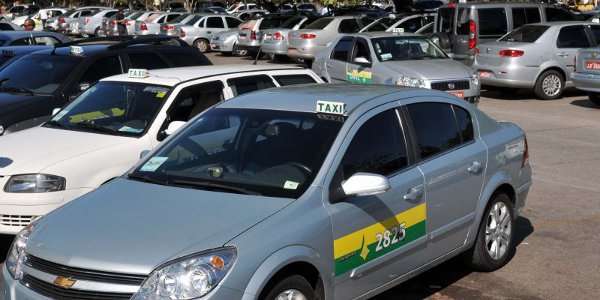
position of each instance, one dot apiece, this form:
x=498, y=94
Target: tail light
x=163, y=28
x=181, y=33
x=143, y=26
x=61, y=20
x=86, y=20
x=472, y=34
x=525, y=154
x=253, y=35
x=113, y=23
x=511, y=53
x=278, y=36
x=308, y=36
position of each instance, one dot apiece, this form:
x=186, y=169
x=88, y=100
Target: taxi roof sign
x=398, y=30
x=331, y=107
x=137, y=73
x=76, y=50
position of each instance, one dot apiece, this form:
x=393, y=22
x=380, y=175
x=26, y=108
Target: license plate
x=485, y=74
x=592, y=64
x=459, y=94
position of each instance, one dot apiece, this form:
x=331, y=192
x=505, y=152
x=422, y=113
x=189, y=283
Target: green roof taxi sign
x=331, y=107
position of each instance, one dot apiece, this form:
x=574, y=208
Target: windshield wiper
x=95, y=128
x=212, y=186
x=55, y=124
x=149, y=179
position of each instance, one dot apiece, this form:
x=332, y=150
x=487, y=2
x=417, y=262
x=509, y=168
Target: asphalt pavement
x=558, y=253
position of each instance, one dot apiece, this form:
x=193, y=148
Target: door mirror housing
x=173, y=126
x=84, y=86
x=55, y=111
x=362, y=61
x=365, y=184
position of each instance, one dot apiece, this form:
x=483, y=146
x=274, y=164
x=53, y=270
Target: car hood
x=434, y=69
x=131, y=227
x=22, y=148
x=10, y=101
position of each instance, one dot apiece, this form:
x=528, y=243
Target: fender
x=278, y=260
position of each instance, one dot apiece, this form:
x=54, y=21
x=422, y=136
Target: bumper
x=280, y=48
x=221, y=46
x=17, y=210
x=586, y=82
x=511, y=76
x=249, y=48
x=303, y=53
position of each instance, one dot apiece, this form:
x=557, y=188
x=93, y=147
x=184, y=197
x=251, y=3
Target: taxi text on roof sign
x=330, y=107
x=137, y=73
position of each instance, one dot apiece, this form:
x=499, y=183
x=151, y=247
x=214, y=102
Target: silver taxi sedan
x=291, y=193
x=587, y=73
x=403, y=59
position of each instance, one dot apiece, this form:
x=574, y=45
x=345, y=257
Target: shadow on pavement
x=584, y=103
x=428, y=284
x=522, y=94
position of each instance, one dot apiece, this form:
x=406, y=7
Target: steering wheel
x=300, y=166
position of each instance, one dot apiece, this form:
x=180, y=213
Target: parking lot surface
x=558, y=252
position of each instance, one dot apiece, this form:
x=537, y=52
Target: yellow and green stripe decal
x=96, y=115
x=361, y=246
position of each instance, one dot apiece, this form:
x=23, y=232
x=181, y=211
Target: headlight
x=475, y=79
x=16, y=255
x=1, y=130
x=189, y=277
x=34, y=183
x=411, y=82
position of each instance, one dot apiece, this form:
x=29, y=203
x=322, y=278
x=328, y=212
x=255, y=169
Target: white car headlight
x=35, y=183
x=475, y=79
x=411, y=82
x=16, y=255
x=189, y=277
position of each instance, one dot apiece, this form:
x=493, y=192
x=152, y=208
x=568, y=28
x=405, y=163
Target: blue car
x=17, y=43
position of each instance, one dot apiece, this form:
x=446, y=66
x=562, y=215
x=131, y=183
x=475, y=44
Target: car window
x=86, y=13
x=348, y=26
x=195, y=99
x=412, y=25
x=465, y=123
x=462, y=21
x=572, y=37
x=379, y=26
x=111, y=13
x=170, y=18
x=434, y=137
x=492, y=22
x=342, y=49
x=319, y=23
x=361, y=49
x=184, y=59
x=525, y=15
x=103, y=67
x=242, y=85
x=232, y=22
x=526, y=34
x=556, y=14
x=445, y=20
x=284, y=80
x=147, y=61
x=5, y=26
x=595, y=33
x=399, y=48
x=46, y=40
x=21, y=73
x=214, y=22
x=374, y=150
x=21, y=42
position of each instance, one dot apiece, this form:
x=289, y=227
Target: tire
x=294, y=283
x=202, y=45
x=237, y=51
x=484, y=256
x=595, y=98
x=96, y=32
x=550, y=85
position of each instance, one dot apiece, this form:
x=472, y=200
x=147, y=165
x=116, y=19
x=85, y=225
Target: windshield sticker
x=154, y=163
x=161, y=94
x=290, y=185
x=155, y=89
x=96, y=115
x=60, y=114
x=130, y=129
x=362, y=77
x=330, y=107
x=386, y=56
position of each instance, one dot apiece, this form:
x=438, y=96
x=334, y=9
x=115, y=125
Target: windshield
x=265, y=152
x=319, y=23
x=406, y=48
x=117, y=108
x=37, y=73
x=134, y=15
x=525, y=34
x=291, y=22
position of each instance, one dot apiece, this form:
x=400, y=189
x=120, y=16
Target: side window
x=434, y=137
x=525, y=15
x=342, y=49
x=348, y=26
x=21, y=42
x=554, y=14
x=378, y=147
x=103, y=67
x=147, y=61
x=596, y=33
x=161, y=20
x=573, y=37
x=462, y=21
x=411, y=25
x=111, y=13
x=232, y=22
x=284, y=80
x=533, y=15
x=465, y=124
x=492, y=22
x=242, y=85
x=185, y=58
x=361, y=49
x=45, y=40
x=172, y=17
x=215, y=22
x=195, y=99
x=377, y=27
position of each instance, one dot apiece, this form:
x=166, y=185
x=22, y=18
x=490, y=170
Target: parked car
x=171, y=27
x=251, y=14
x=278, y=194
x=111, y=28
x=586, y=76
x=14, y=44
x=396, y=59
x=461, y=28
x=152, y=24
x=250, y=38
x=92, y=25
x=136, y=23
x=536, y=56
x=226, y=42
x=305, y=43
x=42, y=14
x=308, y=8
x=69, y=22
x=9, y=26
x=200, y=32
x=407, y=23
x=275, y=40
x=241, y=7
x=38, y=82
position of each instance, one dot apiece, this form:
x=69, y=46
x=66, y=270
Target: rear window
x=180, y=18
x=445, y=20
x=319, y=24
x=525, y=15
x=268, y=23
x=492, y=22
x=291, y=22
x=284, y=80
x=525, y=34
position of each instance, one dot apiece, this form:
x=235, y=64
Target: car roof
x=174, y=76
x=303, y=98
x=380, y=34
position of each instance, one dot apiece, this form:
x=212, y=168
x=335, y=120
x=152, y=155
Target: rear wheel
x=202, y=45
x=549, y=85
x=595, y=98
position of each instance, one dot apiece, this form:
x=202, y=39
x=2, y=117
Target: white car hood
x=35, y=149
x=435, y=69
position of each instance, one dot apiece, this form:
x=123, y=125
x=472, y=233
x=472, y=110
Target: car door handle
x=209, y=32
x=474, y=168
x=414, y=194
x=562, y=54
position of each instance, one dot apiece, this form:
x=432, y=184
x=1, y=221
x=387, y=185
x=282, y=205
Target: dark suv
x=33, y=85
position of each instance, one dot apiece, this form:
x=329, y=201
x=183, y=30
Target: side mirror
x=365, y=184
x=144, y=153
x=362, y=61
x=173, y=126
x=55, y=111
x=84, y=86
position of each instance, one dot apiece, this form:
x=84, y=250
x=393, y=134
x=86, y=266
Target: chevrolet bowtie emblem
x=451, y=86
x=64, y=282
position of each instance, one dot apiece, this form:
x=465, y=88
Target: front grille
x=51, y=291
x=450, y=85
x=83, y=274
x=16, y=220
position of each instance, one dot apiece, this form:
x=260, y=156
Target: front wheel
x=292, y=288
x=595, y=98
x=201, y=45
x=495, y=241
x=550, y=85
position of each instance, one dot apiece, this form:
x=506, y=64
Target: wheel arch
x=546, y=68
